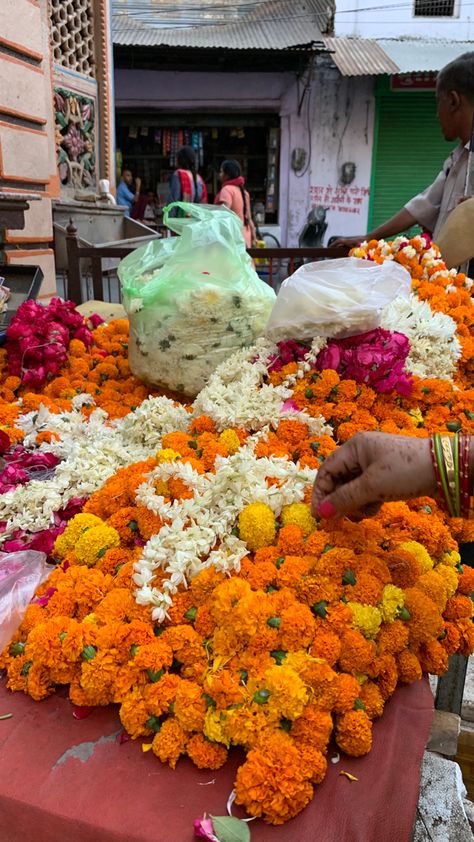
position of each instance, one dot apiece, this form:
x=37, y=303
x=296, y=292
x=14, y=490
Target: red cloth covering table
x=68, y=780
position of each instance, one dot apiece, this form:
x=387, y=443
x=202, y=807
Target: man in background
x=125, y=196
x=431, y=208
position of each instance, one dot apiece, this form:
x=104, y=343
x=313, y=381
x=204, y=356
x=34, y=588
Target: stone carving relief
x=75, y=139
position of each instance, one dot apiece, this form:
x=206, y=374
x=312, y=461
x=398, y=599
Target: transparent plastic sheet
x=20, y=575
x=192, y=300
x=336, y=298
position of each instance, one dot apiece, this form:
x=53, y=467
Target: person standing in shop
x=125, y=196
x=186, y=185
x=234, y=196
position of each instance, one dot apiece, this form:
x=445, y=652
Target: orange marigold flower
x=425, y=620
x=466, y=632
x=404, y=568
x=313, y=727
x=313, y=763
x=434, y=586
x=272, y=784
x=134, y=714
x=354, y=733
x=297, y=627
x=160, y=694
x=170, y=742
x=433, y=658
x=348, y=691
x=371, y=698
x=367, y=590
x=204, y=753
x=393, y=637
x=326, y=644
x=466, y=581
x=384, y=668
x=204, y=623
x=409, y=669
x=290, y=541
x=357, y=653
x=458, y=607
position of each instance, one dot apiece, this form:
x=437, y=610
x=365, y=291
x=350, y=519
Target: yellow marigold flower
x=93, y=544
x=167, y=454
x=230, y=440
x=288, y=694
x=75, y=528
x=449, y=576
x=299, y=514
x=417, y=416
x=451, y=558
x=257, y=525
x=213, y=727
x=366, y=618
x=393, y=598
x=91, y=619
x=420, y=553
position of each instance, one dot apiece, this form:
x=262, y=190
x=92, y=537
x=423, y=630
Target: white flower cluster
x=434, y=347
x=237, y=396
x=198, y=531
x=180, y=345
x=91, y=450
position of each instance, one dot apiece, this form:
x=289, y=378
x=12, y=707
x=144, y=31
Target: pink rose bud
x=204, y=829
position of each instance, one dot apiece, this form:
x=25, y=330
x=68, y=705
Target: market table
x=67, y=779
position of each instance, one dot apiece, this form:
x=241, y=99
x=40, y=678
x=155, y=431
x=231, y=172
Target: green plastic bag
x=192, y=300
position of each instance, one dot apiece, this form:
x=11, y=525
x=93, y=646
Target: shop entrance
x=148, y=143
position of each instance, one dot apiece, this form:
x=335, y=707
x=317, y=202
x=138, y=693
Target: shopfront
x=148, y=141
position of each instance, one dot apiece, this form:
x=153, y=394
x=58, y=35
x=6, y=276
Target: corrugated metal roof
x=359, y=57
x=416, y=55
x=272, y=25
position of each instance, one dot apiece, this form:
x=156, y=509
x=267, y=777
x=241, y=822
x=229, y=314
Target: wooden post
x=74, y=285
x=97, y=278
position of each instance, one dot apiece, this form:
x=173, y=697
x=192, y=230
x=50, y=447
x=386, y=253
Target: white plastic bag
x=335, y=298
x=20, y=575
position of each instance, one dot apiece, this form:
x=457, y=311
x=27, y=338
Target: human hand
x=138, y=184
x=370, y=469
x=463, y=199
x=347, y=242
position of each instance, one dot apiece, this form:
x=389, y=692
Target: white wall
x=394, y=18
x=343, y=127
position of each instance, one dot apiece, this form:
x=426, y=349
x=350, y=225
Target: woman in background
x=186, y=185
x=233, y=196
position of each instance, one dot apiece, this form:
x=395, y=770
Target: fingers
x=359, y=495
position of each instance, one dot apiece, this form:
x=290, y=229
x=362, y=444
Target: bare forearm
x=400, y=222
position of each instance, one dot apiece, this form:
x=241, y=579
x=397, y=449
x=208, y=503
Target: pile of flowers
x=193, y=588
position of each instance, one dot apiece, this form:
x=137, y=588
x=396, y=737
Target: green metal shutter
x=409, y=151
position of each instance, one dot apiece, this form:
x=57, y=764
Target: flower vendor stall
x=196, y=616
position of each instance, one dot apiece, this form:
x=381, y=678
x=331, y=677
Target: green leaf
x=314, y=446
x=190, y=614
x=309, y=394
x=274, y=622
x=16, y=649
x=359, y=704
x=279, y=656
x=192, y=444
x=155, y=676
x=469, y=415
x=102, y=552
x=349, y=578
x=403, y=614
x=133, y=525
x=89, y=652
x=453, y=426
x=133, y=650
x=153, y=723
x=320, y=608
x=230, y=829
x=280, y=560
x=326, y=549
x=261, y=697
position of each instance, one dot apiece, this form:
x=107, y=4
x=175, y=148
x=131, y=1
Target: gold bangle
x=448, y=456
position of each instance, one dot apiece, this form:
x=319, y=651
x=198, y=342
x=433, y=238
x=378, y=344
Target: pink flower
x=204, y=829
x=94, y=320
x=43, y=600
